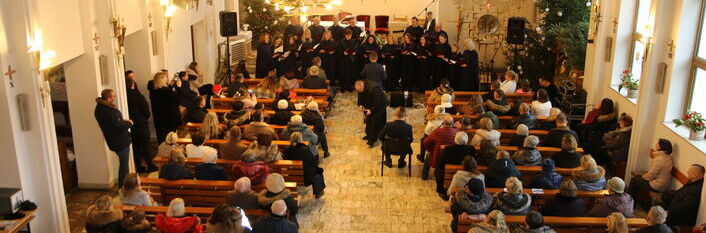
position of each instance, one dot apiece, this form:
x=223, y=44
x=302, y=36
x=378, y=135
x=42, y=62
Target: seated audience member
x=176, y=220
x=268, y=87
x=500, y=170
x=567, y=157
x=282, y=114
x=553, y=139
x=616, y=143
x=296, y=125
x=197, y=111
x=226, y=219
x=132, y=194
x=550, y=122
x=447, y=104
x=276, y=191
x=399, y=131
x=565, y=203
x=443, y=88
x=435, y=119
x=616, y=201
x=597, y=123
x=549, y=178
x=515, y=107
x=498, y=104
x=286, y=96
x=249, y=167
x=258, y=126
x=659, y=176
x=170, y=143
x=494, y=223
x=314, y=80
x=469, y=171
x=487, y=153
x=277, y=221
x=683, y=204
x=528, y=155
x=441, y=136
x=542, y=106
x=521, y=133
x=312, y=116
x=233, y=148
x=264, y=149
x=135, y=222
x=513, y=201
x=535, y=224
x=211, y=127
x=237, y=86
x=297, y=150
x=524, y=86
x=238, y=116
x=464, y=124
x=485, y=132
x=196, y=148
x=656, y=218
x=475, y=107
x=589, y=177
x=242, y=195
x=494, y=85
x=209, y=170
x=525, y=117
x=452, y=154
x=175, y=168
x=509, y=85
x=472, y=200
x=617, y=223
x=102, y=217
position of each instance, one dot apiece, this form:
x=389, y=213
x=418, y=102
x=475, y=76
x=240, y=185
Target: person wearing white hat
x=209, y=170
x=276, y=191
x=277, y=221
x=170, y=143
x=282, y=114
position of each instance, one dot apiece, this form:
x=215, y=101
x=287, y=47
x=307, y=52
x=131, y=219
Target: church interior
x=352, y=116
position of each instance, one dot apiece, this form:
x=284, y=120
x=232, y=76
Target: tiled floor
x=357, y=198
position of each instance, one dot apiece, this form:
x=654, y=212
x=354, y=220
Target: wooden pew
x=226, y=103
x=291, y=170
x=204, y=213
x=196, y=192
x=502, y=119
x=549, y=193
x=313, y=92
x=466, y=95
x=564, y=224
x=506, y=135
x=527, y=172
x=268, y=113
x=216, y=142
x=457, y=104
x=255, y=81
x=278, y=128
x=545, y=151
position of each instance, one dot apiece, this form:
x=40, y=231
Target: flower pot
x=696, y=135
x=632, y=93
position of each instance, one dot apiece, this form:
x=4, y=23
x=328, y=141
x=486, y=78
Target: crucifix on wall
x=9, y=74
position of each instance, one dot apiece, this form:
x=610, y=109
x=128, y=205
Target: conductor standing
x=373, y=102
x=373, y=72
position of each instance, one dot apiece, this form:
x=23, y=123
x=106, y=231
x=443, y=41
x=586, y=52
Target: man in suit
x=373, y=71
x=373, y=103
x=316, y=30
x=314, y=80
x=397, y=129
x=414, y=29
x=430, y=25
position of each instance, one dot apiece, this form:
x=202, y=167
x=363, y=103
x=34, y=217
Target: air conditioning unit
x=239, y=50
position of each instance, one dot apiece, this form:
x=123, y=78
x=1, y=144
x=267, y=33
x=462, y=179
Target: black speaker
x=229, y=23
x=516, y=30
x=400, y=99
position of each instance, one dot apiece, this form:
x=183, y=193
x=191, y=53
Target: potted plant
x=626, y=81
x=696, y=124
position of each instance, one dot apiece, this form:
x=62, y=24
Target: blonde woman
x=469, y=80
x=513, y=201
x=494, y=223
x=132, y=194
x=210, y=127
x=486, y=131
x=568, y=157
x=165, y=105
x=170, y=143
x=175, y=168
x=590, y=177
x=617, y=223
x=101, y=216
x=269, y=86
x=509, y=85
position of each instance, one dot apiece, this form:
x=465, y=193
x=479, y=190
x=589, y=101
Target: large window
x=641, y=34
x=697, y=96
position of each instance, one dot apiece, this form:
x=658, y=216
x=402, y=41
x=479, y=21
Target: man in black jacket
x=547, y=84
x=399, y=130
x=553, y=139
x=656, y=218
x=276, y=222
x=316, y=29
x=525, y=117
x=414, y=29
x=336, y=30
x=430, y=24
x=373, y=71
x=293, y=29
x=314, y=80
x=683, y=205
x=373, y=102
x=115, y=130
x=352, y=24
x=264, y=61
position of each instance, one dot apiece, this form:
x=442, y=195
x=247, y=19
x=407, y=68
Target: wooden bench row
x=563, y=224
x=227, y=103
x=204, y=213
x=527, y=172
x=255, y=81
x=268, y=113
x=278, y=128
x=545, y=151
x=217, y=142
x=465, y=95
x=506, y=135
x=457, y=104
x=291, y=170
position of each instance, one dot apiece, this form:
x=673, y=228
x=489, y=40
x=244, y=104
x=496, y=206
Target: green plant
x=627, y=81
x=572, y=40
x=692, y=120
x=263, y=17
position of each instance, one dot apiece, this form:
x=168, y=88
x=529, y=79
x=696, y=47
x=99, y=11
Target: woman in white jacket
x=486, y=132
x=510, y=83
x=659, y=176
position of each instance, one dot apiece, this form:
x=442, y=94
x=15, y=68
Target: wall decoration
x=155, y=49
x=9, y=74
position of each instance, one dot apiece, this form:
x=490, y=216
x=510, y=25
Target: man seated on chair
x=682, y=205
x=397, y=129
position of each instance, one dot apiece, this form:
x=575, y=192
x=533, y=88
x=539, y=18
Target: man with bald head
x=442, y=136
x=373, y=103
x=683, y=205
x=436, y=32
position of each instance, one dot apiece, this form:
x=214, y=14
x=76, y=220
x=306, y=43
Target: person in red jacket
x=249, y=167
x=176, y=220
x=444, y=135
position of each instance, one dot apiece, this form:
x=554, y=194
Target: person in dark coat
x=616, y=201
x=414, y=29
x=337, y=32
x=656, y=218
x=373, y=71
x=276, y=191
x=597, y=123
x=196, y=112
x=312, y=116
x=165, y=105
x=423, y=64
x=277, y=221
x=521, y=133
x=175, y=168
x=366, y=48
x=525, y=117
x=317, y=31
x=683, y=204
x=185, y=93
x=305, y=54
x=209, y=170
x=565, y=203
x=499, y=170
x=548, y=85
x=512, y=200
x=115, y=130
x=436, y=33
x=293, y=29
x=140, y=131
x=554, y=138
x=373, y=102
x=265, y=57
x=327, y=53
x=357, y=31
x=567, y=157
x=400, y=130
x=314, y=80
x=102, y=217
x=282, y=114
x=242, y=195
x=472, y=200
x=452, y=154
x=549, y=178
x=301, y=152
x=430, y=23
x=470, y=70
x=390, y=54
x=616, y=144
x=408, y=62
x=348, y=48
x=440, y=66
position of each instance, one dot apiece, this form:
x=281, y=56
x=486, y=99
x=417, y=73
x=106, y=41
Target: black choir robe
x=348, y=72
x=293, y=30
x=326, y=51
x=391, y=59
x=440, y=67
x=356, y=32
x=455, y=68
x=306, y=53
x=365, y=50
x=416, y=32
x=469, y=75
x=423, y=67
x=264, y=62
x=337, y=32
x=408, y=64
x=316, y=32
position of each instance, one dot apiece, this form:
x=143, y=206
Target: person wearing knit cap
x=549, y=178
x=521, y=133
x=170, y=143
x=282, y=114
x=472, y=200
x=513, y=201
x=452, y=154
x=209, y=170
x=242, y=195
x=296, y=124
x=312, y=116
x=276, y=191
x=277, y=221
x=616, y=201
x=528, y=154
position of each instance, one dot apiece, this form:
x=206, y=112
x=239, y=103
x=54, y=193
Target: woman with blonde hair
x=269, y=86
x=165, y=105
x=170, y=143
x=513, y=201
x=590, y=177
x=306, y=52
x=102, y=217
x=210, y=127
x=392, y=60
x=175, y=168
x=509, y=85
x=176, y=220
x=486, y=131
x=132, y=194
x=469, y=80
x=494, y=223
x=617, y=223
x=327, y=48
x=568, y=157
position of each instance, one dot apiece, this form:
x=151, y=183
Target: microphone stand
x=426, y=7
x=492, y=62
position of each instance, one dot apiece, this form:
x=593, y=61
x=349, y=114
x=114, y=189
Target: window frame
x=696, y=61
x=637, y=37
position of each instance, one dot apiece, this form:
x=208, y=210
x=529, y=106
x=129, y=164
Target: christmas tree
x=263, y=17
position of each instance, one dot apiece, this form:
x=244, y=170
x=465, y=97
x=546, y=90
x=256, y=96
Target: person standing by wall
x=115, y=129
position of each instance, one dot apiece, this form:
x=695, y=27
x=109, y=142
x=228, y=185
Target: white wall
x=392, y=8
x=63, y=36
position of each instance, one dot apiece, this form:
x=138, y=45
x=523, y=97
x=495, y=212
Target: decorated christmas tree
x=263, y=17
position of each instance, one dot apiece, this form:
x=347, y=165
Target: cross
x=96, y=38
x=9, y=74
x=149, y=18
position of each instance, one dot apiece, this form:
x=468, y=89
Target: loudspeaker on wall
x=229, y=23
x=516, y=30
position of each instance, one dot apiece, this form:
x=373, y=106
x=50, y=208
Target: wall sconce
x=43, y=59
x=168, y=13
